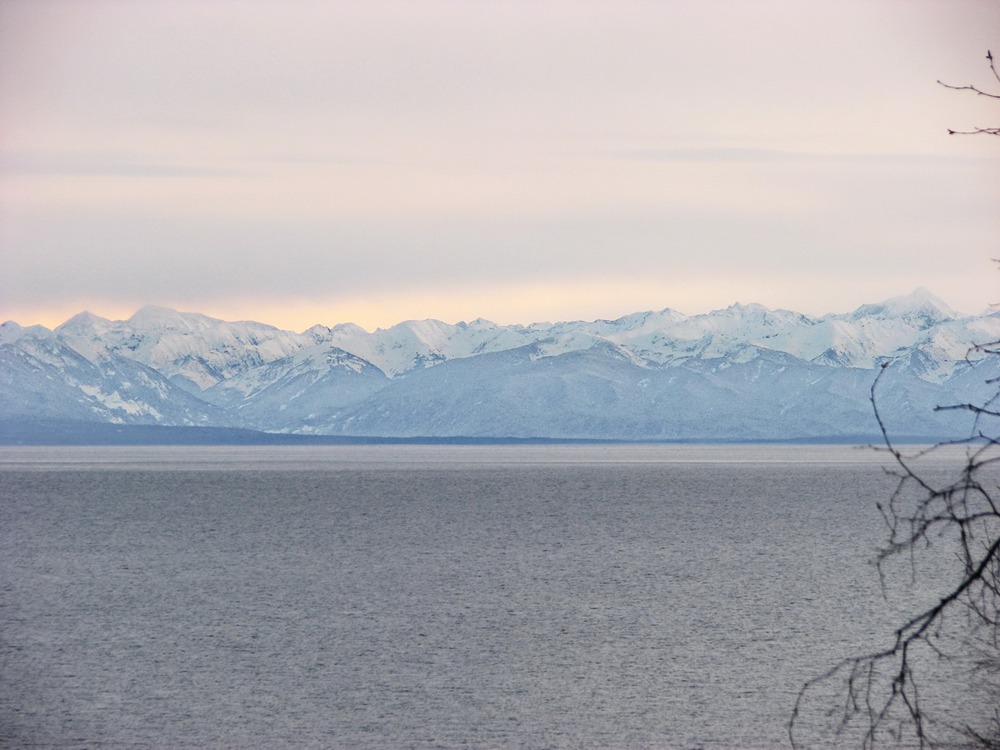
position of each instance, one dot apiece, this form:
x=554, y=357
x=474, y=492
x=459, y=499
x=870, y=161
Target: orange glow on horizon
x=502, y=304
x=523, y=303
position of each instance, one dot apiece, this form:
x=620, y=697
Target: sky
x=298, y=162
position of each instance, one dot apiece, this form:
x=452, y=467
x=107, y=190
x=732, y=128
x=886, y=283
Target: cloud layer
x=378, y=161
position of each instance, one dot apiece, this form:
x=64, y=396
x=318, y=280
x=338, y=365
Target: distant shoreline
x=70, y=433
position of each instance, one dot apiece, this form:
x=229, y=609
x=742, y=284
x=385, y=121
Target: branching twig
x=978, y=92
x=976, y=131
x=882, y=687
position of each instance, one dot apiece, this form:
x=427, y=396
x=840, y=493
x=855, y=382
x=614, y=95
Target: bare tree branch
x=976, y=131
x=882, y=696
x=978, y=92
x=882, y=689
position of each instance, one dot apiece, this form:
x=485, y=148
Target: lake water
x=429, y=596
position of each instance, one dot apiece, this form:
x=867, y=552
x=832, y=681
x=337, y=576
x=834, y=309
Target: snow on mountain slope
x=675, y=339
x=423, y=343
x=193, y=350
x=658, y=337
x=280, y=395
x=86, y=334
x=919, y=309
x=11, y=332
x=743, y=372
x=598, y=393
x=862, y=338
x=200, y=351
x=42, y=377
x=857, y=339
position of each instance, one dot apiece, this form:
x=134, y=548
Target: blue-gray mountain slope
x=743, y=373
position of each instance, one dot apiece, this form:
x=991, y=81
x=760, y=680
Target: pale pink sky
x=312, y=162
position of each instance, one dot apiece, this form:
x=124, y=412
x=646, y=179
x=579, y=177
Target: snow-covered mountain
x=42, y=376
x=193, y=350
x=745, y=372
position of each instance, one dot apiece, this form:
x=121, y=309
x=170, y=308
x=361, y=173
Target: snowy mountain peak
x=347, y=328
x=155, y=318
x=648, y=375
x=742, y=308
x=84, y=323
x=634, y=320
x=11, y=332
x=317, y=333
x=919, y=308
x=85, y=333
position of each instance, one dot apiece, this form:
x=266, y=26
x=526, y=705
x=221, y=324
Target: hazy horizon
x=921, y=291
x=303, y=162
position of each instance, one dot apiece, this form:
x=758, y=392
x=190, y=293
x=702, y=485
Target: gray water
x=598, y=596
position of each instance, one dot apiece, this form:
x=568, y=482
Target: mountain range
x=742, y=373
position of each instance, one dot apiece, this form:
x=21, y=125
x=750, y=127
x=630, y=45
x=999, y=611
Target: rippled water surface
x=594, y=596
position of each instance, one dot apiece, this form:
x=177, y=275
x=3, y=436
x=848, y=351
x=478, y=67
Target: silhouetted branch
x=978, y=92
x=975, y=131
x=882, y=687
